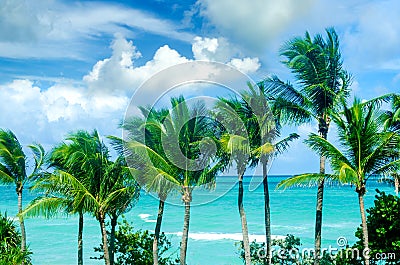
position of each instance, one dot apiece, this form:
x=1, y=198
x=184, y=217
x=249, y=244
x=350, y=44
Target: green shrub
x=10, y=243
x=136, y=247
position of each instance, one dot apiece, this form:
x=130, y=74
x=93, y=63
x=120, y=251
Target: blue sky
x=67, y=65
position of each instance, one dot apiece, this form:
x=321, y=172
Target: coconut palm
x=321, y=84
x=365, y=150
x=391, y=120
x=190, y=144
x=66, y=158
x=178, y=149
x=13, y=169
x=236, y=144
x=264, y=145
x=119, y=176
x=148, y=161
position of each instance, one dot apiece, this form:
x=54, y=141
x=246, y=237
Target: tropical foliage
x=10, y=243
x=135, y=247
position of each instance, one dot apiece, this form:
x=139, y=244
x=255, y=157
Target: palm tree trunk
x=80, y=240
x=245, y=231
x=267, y=214
x=104, y=239
x=323, y=128
x=396, y=185
x=157, y=231
x=318, y=220
x=185, y=233
x=364, y=225
x=21, y=219
x=112, y=238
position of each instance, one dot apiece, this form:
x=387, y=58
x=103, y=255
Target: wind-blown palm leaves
x=365, y=150
x=13, y=169
x=248, y=139
x=323, y=83
x=391, y=120
x=174, y=150
x=84, y=180
x=256, y=105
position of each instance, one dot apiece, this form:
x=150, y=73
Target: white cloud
x=100, y=99
x=119, y=74
x=219, y=49
x=253, y=23
x=246, y=65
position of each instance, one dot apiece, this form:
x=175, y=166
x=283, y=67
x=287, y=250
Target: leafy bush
x=10, y=243
x=136, y=247
x=383, y=232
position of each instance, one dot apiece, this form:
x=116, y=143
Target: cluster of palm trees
x=173, y=151
x=75, y=177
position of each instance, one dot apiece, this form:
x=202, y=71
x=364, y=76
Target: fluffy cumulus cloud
x=119, y=74
x=47, y=115
x=100, y=99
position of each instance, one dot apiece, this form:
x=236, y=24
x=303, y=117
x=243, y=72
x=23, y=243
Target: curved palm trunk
x=80, y=240
x=320, y=198
x=101, y=220
x=185, y=233
x=112, y=238
x=245, y=231
x=157, y=231
x=364, y=225
x=267, y=214
x=21, y=219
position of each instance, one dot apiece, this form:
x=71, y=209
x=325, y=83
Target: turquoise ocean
x=214, y=223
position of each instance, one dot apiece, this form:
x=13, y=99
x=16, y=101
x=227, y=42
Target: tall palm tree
x=322, y=84
x=66, y=158
x=365, y=150
x=148, y=161
x=13, y=169
x=189, y=143
x=236, y=144
x=120, y=178
x=264, y=144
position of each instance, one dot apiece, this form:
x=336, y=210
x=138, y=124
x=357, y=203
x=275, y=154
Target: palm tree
x=236, y=144
x=189, y=143
x=323, y=83
x=148, y=161
x=13, y=169
x=120, y=178
x=366, y=150
x=65, y=158
x=391, y=120
x=256, y=107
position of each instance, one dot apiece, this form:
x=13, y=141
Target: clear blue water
x=214, y=225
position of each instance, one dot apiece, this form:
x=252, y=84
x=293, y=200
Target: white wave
x=223, y=236
x=144, y=216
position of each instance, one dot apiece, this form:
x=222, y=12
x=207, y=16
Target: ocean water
x=214, y=222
